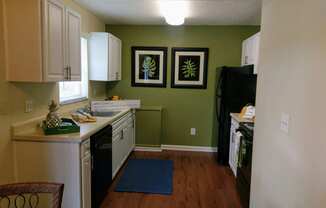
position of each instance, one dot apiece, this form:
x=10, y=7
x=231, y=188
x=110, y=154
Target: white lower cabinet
x=86, y=163
x=123, y=141
x=234, y=146
x=59, y=162
x=70, y=163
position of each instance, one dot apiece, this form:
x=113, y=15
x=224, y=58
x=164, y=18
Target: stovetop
x=249, y=126
x=248, y=129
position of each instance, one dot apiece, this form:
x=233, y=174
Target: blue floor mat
x=147, y=176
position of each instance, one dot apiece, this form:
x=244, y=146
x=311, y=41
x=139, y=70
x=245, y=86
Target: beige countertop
x=31, y=131
x=237, y=117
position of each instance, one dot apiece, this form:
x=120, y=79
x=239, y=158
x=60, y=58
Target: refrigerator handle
x=218, y=96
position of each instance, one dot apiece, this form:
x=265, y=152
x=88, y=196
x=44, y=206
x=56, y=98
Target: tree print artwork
x=149, y=67
x=189, y=69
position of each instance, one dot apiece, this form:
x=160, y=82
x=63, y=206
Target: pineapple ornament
x=52, y=119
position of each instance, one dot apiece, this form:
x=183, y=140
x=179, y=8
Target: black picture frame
x=197, y=57
x=139, y=54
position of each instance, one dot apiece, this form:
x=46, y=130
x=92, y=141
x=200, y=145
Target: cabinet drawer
x=117, y=125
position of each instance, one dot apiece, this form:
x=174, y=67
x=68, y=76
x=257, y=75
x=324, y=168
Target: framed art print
x=148, y=66
x=189, y=68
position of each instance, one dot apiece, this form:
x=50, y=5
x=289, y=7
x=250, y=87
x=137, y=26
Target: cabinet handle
x=117, y=75
x=65, y=73
x=69, y=69
x=122, y=134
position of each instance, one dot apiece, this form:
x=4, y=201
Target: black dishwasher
x=101, y=150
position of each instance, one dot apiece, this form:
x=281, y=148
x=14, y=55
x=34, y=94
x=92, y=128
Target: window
x=73, y=91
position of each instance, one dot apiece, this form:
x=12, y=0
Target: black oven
x=244, y=162
x=101, y=150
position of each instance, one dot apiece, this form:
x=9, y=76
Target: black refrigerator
x=236, y=87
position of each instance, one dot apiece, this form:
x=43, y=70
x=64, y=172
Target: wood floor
x=198, y=182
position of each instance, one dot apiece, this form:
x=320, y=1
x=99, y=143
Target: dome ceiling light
x=174, y=12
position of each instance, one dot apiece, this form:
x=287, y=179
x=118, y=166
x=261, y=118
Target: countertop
x=237, y=117
x=30, y=130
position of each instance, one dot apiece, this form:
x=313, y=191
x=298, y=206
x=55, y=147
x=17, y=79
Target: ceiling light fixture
x=174, y=12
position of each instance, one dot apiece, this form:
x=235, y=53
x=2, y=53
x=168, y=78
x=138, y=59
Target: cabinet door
x=86, y=181
x=73, y=42
x=53, y=40
x=98, y=44
x=114, y=58
x=250, y=51
x=255, y=51
x=125, y=142
x=131, y=135
x=117, y=153
x=244, y=55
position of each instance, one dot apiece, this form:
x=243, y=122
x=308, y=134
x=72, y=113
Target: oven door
x=245, y=158
x=244, y=170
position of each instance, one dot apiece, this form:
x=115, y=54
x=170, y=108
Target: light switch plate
x=285, y=122
x=193, y=131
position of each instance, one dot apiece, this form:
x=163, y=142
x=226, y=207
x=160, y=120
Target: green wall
x=149, y=133
x=182, y=108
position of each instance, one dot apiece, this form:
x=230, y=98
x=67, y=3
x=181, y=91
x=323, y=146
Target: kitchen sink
x=105, y=114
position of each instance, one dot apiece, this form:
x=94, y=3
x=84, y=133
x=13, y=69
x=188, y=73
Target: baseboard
x=175, y=148
x=188, y=148
x=148, y=149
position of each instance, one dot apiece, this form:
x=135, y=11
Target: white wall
x=289, y=170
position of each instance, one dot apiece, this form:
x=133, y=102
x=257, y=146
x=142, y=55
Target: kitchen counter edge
x=87, y=130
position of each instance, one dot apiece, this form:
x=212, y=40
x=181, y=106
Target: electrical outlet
x=285, y=122
x=193, y=131
x=28, y=106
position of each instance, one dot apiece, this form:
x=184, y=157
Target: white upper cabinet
x=73, y=51
x=53, y=40
x=104, y=57
x=42, y=41
x=250, y=51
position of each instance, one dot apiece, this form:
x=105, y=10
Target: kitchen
x=96, y=62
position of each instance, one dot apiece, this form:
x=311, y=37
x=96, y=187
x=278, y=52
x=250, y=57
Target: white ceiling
x=201, y=12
